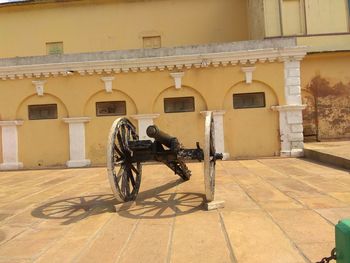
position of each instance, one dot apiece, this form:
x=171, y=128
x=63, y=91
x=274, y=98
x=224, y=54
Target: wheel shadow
x=155, y=203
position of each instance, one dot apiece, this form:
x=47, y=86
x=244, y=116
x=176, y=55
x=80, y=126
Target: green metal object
x=342, y=241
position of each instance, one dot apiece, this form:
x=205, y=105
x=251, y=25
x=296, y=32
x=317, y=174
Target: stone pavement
x=277, y=210
x=336, y=153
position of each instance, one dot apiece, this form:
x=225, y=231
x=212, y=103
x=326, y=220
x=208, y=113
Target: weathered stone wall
x=328, y=109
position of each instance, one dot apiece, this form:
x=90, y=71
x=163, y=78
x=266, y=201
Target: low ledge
x=78, y=163
x=11, y=166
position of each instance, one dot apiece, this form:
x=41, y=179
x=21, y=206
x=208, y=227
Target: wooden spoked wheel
x=124, y=176
x=209, y=157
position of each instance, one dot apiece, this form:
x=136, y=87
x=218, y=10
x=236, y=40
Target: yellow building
x=68, y=69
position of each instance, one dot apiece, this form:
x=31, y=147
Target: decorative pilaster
x=177, y=76
x=108, y=83
x=291, y=129
x=144, y=120
x=290, y=115
x=77, y=141
x=10, y=145
x=39, y=87
x=292, y=88
x=219, y=133
x=248, y=71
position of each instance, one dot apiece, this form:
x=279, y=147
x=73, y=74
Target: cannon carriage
x=126, y=153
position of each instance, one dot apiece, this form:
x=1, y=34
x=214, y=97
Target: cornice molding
x=289, y=107
x=76, y=119
x=145, y=116
x=161, y=63
x=11, y=123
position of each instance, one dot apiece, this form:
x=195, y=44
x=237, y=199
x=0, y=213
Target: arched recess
x=251, y=132
x=97, y=129
x=43, y=143
x=188, y=127
x=309, y=115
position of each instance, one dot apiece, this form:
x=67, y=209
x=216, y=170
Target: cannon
x=126, y=153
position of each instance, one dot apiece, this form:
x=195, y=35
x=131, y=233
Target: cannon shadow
x=155, y=203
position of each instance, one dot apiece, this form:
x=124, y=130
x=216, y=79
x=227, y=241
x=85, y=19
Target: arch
x=184, y=91
x=45, y=142
x=45, y=99
x=96, y=130
x=188, y=127
x=251, y=132
x=104, y=96
x=237, y=85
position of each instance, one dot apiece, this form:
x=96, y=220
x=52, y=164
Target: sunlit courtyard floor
x=276, y=210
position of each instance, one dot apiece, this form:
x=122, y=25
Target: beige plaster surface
x=276, y=210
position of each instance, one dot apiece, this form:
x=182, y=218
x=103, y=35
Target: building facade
x=69, y=69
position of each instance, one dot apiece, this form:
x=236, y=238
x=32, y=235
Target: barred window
x=111, y=108
x=152, y=42
x=249, y=100
x=179, y=104
x=42, y=112
x=54, y=48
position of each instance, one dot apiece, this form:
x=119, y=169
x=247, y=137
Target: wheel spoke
x=131, y=177
x=134, y=169
x=118, y=151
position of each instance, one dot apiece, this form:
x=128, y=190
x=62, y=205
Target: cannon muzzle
x=169, y=141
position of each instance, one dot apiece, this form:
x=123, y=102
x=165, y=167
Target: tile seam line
x=91, y=240
x=272, y=219
x=32, y=205
x=227, y=238
x=126, y=244
x=40, y=191
x=82, y=217
x=172, y=230
x=308, y=184
x=269, y=216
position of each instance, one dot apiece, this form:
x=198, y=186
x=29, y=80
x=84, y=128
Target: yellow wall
x=256, y=23
x=40, y=141
x=272, y=18
x=299, y=17
x=112, y=25
x=252, y=132
x=46, y=142
x=325, y=43
x=326, y=16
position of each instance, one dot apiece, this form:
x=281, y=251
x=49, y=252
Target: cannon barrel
x=169, y=141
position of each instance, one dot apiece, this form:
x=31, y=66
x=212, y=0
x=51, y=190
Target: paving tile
x=235, y=198
x=110, y=241
x=198, y=237
x=344, y=197
x=9, y=232
x=304, y=226
x=256, y=238
x=30, y=244
x=149, y=243
x=64, y=250
x=316, y=251
x=335, y=214
x=321, y=202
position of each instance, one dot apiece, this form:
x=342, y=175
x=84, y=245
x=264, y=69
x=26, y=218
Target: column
x=144, y=120
x=291, y=130
x=10, y=145
x=290, y=115
x=77, y=141
x=219, y=133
